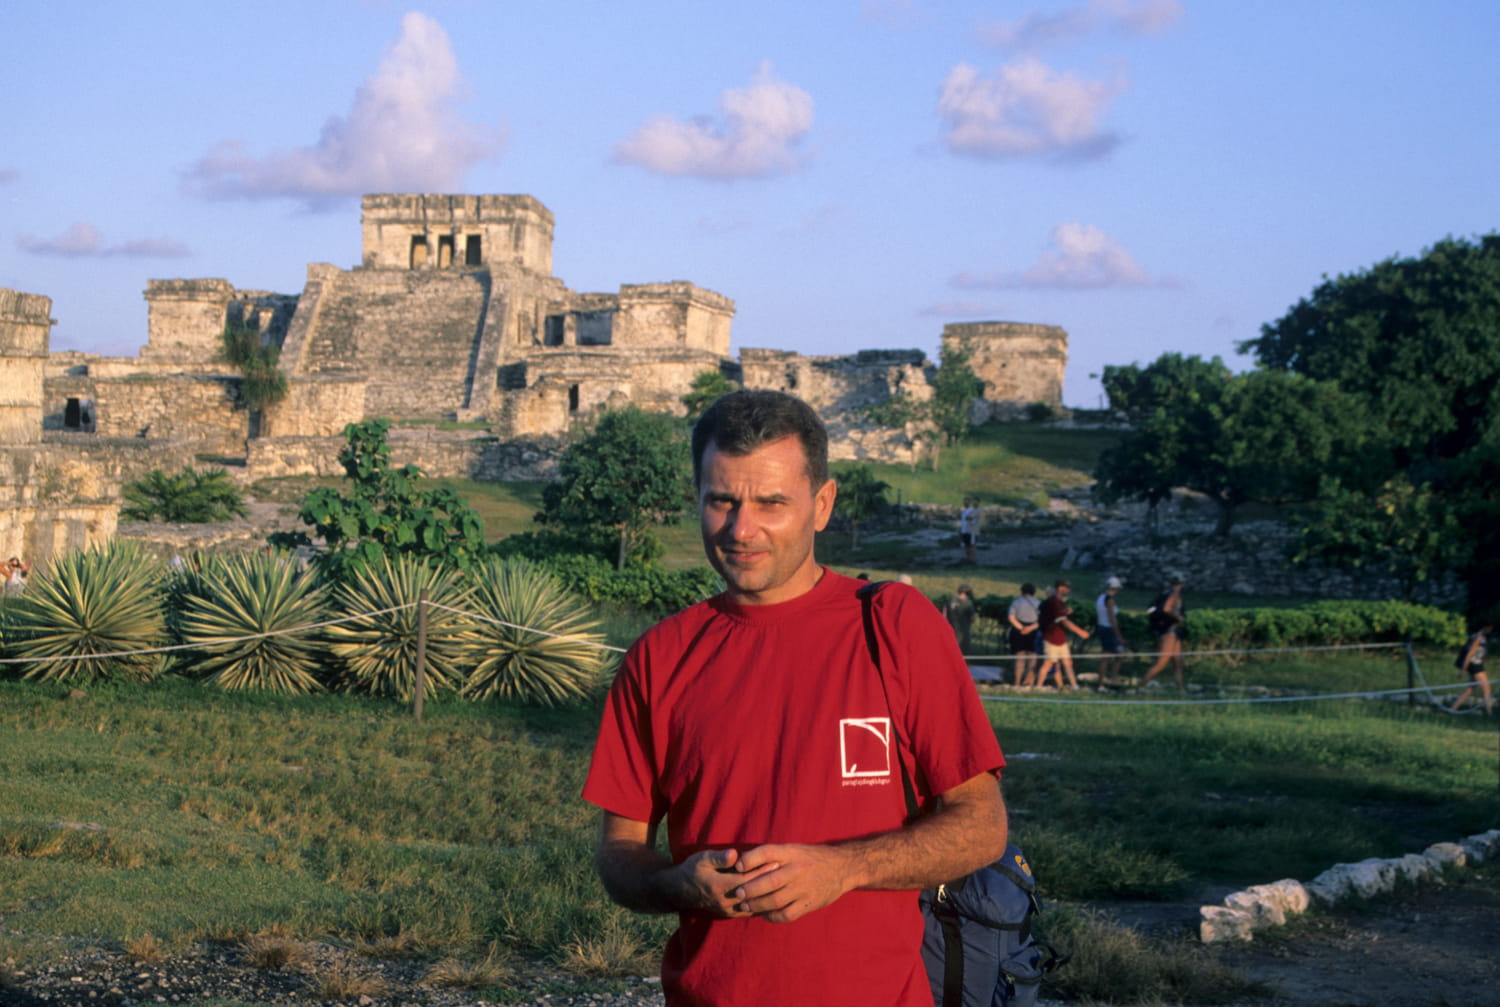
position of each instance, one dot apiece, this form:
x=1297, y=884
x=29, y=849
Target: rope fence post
x=1411, y=675
x=421, y=672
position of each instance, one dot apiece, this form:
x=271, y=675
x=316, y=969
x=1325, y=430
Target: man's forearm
x=939, y=847
x=632, y=875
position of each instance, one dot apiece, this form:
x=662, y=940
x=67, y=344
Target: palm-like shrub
x=557, y=658
x=377, y=649
x=186, y=497
x=97, y=601
x=239, y=595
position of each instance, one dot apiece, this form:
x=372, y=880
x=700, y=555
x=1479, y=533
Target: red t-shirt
x=1054, y=610
x=744, y=725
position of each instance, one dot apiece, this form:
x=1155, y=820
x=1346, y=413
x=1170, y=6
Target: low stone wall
x=441, y=454
x=1242, y=913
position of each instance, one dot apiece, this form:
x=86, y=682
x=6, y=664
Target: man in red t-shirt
x=758, y=727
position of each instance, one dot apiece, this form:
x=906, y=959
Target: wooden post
x=1411, y=676
x=421, y=673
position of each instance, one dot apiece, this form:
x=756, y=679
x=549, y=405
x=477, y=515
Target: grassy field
x=182, y=813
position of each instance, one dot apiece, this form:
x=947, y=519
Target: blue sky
x=1151, y=175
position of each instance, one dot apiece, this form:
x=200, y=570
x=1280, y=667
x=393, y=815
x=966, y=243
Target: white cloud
x=1082, y=257
x=754, y=135
x=962, y=309
x=9, y=175
x=1026, y=109
x=402, y=134
x=1146, y=17
x=84, y=241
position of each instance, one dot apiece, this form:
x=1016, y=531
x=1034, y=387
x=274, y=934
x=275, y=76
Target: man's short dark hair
x=742, y=421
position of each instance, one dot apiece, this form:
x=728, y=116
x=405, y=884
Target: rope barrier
x=1429, y=690
x=1315, y=697
x=1142, y=654
x=526, y=629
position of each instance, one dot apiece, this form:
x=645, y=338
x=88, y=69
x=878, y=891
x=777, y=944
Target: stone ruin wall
x=1020, y=364
x=408, y=231
x=25, y=327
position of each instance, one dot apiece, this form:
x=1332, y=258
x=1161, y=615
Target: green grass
x=186, y=813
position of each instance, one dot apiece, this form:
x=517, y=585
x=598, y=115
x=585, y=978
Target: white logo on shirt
x=865, y=746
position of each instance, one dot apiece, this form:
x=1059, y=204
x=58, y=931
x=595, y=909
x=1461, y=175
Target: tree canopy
x=861, y=496
x=629, y=473
x=1265, y=436
x=1416, y=343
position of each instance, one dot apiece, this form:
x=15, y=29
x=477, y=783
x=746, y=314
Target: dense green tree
x=629, y=473
x=707, y=386
x=386, y=513
x=861, y=496
x=1265, y=436
x=1416, y=341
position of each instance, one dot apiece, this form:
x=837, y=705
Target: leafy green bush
x=387, y=513
x=651, y=589
x=544, y=545
x=1316, y=624
x=187, y=497
x=558, y=663
x=96, y=601
x=377, y=649
x=245, y=594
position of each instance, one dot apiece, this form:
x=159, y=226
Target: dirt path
x=1434, y=946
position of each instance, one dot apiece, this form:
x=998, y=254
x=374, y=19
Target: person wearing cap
x=1056, y=625
x=1107, y=619
x=1165, y=617
x=960, y=615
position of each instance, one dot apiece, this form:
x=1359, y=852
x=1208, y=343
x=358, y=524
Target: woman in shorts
x=1471, y=660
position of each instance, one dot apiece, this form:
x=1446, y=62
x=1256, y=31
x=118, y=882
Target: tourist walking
x=1107, y=626
x=1166, y=617
x=968, y=529
x=1056, y=624
x=1471, y=660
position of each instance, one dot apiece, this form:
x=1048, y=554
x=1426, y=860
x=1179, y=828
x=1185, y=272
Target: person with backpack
x=757, y=729
x=1471, y=660
x=1166, y=617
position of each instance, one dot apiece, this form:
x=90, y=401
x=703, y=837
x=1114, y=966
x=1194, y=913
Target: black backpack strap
x=867, y=612
x=953, y=955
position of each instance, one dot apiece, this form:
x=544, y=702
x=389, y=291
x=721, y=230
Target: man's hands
x=712, y=881
x=788, y=881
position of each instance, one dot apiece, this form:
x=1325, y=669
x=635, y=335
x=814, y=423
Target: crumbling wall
x=25, y=328
x=203, y=408
x=839, y=384
x=319, y=406
x=440, y=454
x=1020, y=364
x=673, y=314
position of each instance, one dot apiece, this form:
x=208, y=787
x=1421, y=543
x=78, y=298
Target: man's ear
x=823, y=504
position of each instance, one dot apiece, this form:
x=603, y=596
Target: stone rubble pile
x=1242, y=913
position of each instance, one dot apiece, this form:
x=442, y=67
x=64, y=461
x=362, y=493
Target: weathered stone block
x=1221, y=923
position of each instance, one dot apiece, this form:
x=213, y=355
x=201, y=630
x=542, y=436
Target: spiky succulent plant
x=86, y=607
x=377, y=650
x=230, y=600
x=533, y=642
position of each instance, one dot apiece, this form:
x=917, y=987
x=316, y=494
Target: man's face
x=758, y=513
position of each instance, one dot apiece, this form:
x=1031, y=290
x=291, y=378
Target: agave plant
x=85, y=607
x=229, y=600
x=533, y=642
x=377, y=648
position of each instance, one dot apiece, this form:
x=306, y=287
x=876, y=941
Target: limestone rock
x=1221, y=923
